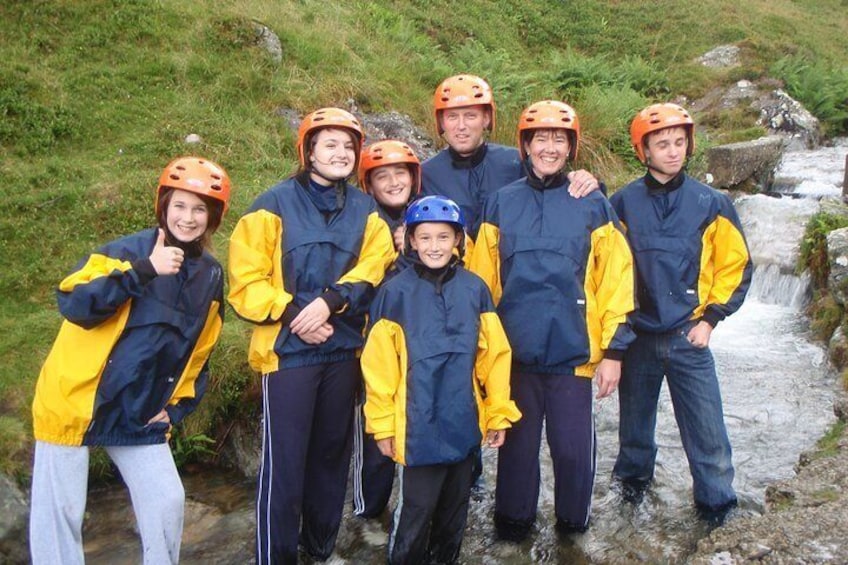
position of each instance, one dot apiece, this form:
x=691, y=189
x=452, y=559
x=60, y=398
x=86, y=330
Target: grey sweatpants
x=60, y=487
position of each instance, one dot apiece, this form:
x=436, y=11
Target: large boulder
x=747, y=164
x=14, y=513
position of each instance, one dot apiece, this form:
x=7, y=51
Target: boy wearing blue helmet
x=436, y=368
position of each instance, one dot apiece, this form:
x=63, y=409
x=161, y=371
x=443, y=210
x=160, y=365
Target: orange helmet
x=550, y=114
x=197, y=175
x=389, y=152
x=327, y=118
x=460, y=91
x=657, y=117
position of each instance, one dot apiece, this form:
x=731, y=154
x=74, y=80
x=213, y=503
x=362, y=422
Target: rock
x=837, y=253
x=805, y=520
x=390, y=125
x=243, y=447
x=269, y=41
x=722, y=56
x=193, y=138
x=290, y=117
x=752, y=161
x=393, y=125
x=14, y=514
x=783, y=115
x=837, y=348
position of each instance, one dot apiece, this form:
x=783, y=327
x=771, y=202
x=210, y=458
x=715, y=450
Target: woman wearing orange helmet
x=561, y=276
x=694, y=270
x=303, y=264
x=470, y=168
x=141, y=316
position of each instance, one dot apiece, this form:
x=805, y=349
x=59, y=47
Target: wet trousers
x=429, y=521
x=694, y=389
x=59, y=492
x=306, y=445
x=564, y=404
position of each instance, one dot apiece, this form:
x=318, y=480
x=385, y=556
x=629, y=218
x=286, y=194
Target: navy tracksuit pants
x=564, y=404
x=306, y=445
x=373, y=472
x=432, y=509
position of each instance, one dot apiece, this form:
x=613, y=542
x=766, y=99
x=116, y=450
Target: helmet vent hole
x=180, y=168
x=175, y=176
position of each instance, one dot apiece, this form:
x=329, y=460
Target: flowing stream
x=776, y=384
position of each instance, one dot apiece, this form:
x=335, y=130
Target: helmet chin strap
x=311, y=169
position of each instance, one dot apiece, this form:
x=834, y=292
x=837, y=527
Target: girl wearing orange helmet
x=391, y=172
x=694, y=270
x=303, y=264
x=141, y=316
x=561, y=276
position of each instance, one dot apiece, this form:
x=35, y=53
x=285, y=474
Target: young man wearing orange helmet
x=141, y=316
x=390, y=172
x=303, y=264
x=561, y=275
x=470, y=168
x=693, y=269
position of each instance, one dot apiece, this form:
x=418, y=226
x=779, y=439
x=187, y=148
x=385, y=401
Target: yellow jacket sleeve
x=384, y=371
x=492, y=368
x=485, y=259
x=256, y=291
x=611, y=283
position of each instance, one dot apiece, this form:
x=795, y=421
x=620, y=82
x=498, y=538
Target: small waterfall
x=774, y=228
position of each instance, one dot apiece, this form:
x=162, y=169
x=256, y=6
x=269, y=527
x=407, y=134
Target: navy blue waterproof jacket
x=561, y=274
x=436, y=366
x=691, y=257
x=468, y=182
x=132, y=344
x=285, y=252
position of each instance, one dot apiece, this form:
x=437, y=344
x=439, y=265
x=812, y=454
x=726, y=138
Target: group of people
x=442, y=306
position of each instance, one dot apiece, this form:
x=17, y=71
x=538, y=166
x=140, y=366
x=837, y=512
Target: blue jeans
x=695, y=395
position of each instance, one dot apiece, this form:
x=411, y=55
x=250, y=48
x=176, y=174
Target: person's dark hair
x=215, y=208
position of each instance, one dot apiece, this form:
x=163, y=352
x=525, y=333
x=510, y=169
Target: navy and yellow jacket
x=132, y=343
x=691, y=257
x=284, y=253
x=469, y=181
x=436, y=366
x=561, y=274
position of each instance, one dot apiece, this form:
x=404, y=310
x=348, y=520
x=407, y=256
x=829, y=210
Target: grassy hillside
x=96, y=97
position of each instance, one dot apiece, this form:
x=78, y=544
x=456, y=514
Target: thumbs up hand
x=166, y=260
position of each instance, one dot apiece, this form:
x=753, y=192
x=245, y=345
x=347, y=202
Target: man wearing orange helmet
x=141, y=316
x=561, y=275
x=470, y=168
x=303, y=264
x=693, y=269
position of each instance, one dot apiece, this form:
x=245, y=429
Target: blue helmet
x=434, y=209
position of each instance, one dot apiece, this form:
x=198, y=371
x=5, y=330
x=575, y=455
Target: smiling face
x=187, y=216
x=465, y=127
x=391, y=185
x=665, y=152
x=332, y=155
x=548, y=150
x=434, y=242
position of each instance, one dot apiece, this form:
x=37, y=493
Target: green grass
x=96, y=97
